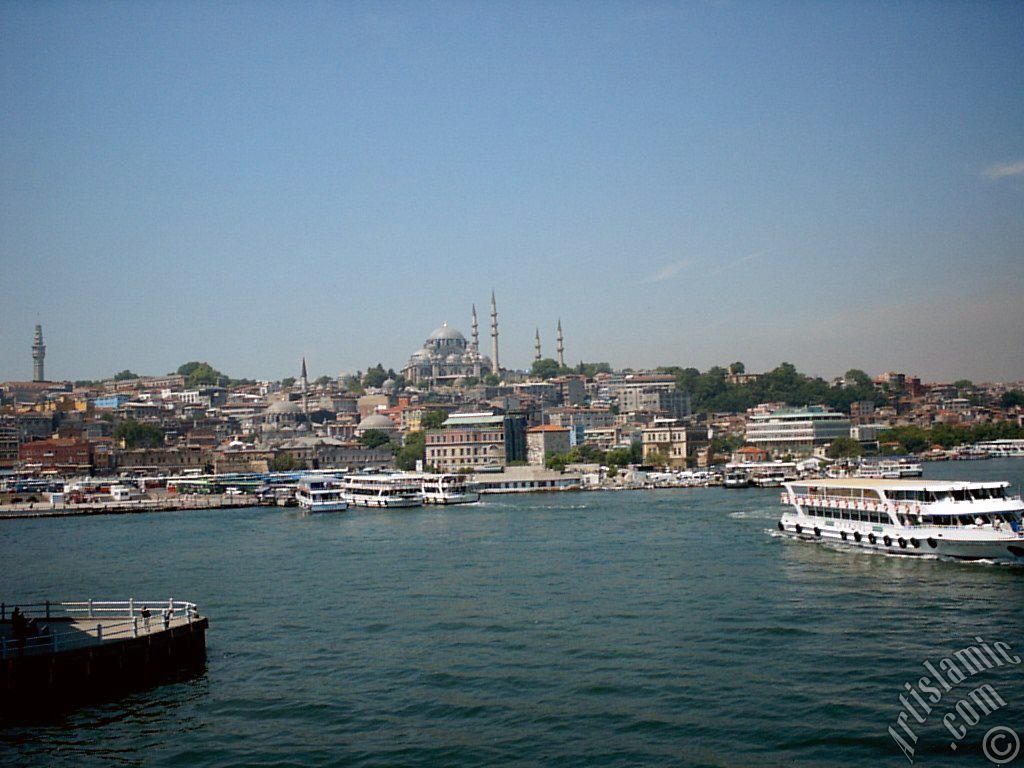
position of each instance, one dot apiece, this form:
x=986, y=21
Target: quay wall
x=52, y=680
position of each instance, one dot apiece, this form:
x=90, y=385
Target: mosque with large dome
x=446, y=355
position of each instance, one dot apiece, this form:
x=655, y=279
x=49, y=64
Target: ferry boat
x=964, y=520
x=736, y=478
x=320, y=494
x=447, y=489
x=891, y=468
x=384, y=490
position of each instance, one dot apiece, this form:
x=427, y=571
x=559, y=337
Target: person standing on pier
x=167, y=617
x=144, y=613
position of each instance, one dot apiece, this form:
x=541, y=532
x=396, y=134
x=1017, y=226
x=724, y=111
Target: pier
x=166, y=503
x=57, y=653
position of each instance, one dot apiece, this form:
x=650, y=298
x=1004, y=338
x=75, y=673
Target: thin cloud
x=669, y=271
x=1000, y=170
x=736, y=262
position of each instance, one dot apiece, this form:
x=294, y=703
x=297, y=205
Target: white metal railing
x=43, y=626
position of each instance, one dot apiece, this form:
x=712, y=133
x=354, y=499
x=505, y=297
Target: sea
x=646, y=628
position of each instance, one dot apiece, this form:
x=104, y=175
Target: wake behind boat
x=963, y=520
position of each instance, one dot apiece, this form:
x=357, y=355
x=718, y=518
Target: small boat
x=966, y=520
x=320, y=494
x=448, y=489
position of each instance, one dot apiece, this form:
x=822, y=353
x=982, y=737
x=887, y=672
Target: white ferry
x=914, y=517
x=320, y=494
x=890, y=468
x=448, y=489
x=383, y=490
x=736, y=478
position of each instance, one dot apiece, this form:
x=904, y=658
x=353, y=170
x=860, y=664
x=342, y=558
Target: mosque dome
x=389, y=385
x=445, y=332
x=376, y=421
x=283, y=407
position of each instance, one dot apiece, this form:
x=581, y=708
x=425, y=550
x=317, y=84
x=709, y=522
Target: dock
x=62, y=652
x=135, y=506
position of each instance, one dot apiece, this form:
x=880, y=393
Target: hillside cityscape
x=451, y=408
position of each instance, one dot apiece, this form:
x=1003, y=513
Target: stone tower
x=536, y=345
x=495, y=367
x=38, y=355
x=476, y=332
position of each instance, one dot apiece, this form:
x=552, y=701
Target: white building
x=796, y=431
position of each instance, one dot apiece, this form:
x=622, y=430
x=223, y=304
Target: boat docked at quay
x=387, y=491
x=447, y=489
x=965, y=520
x=321, y=494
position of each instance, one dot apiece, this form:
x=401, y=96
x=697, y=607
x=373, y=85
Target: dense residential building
x=676, y=440
x=796, y=431
x=59, y=455
x=8, y=446
x=476, y=440
x=545, y=441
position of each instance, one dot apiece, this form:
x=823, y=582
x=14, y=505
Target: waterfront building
x=796, y=431
x=678, y=441
x=476, y=440
x=8, y=446
x=56, y=455
x=545, y=441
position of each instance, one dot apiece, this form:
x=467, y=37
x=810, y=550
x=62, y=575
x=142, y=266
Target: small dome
x=454, y=358
x=284, y=406
x=389, y=385
x=446, y=332
x=421, y=354
x=376, y=421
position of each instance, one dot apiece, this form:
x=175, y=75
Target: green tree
x=375, y=376
x=737, y=368
x=1012, y=399
x=857, y=377
x=545, y=369
x=322, y=381
x=433, y=419
x=962, y=384
x=125, y=375
x=288, y=381
x=844, y=447
x=199, y=374
x=492, y=380
x=657, y=459
x=135, y=434
x=285, y=462
x=414, y=450
x=374, y=438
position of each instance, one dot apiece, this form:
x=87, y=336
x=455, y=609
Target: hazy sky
x=832, y=184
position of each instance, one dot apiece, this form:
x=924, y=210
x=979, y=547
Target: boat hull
x=901, y=541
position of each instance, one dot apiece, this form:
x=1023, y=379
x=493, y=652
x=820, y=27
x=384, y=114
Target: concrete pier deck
x=136, y=506
x=71, y=655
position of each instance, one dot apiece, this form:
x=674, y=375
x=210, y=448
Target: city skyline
x=677, y=184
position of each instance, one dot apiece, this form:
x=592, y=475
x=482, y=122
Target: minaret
x=536, y=345
x=561, y=346
x=494, y=336
x=305, y=390
x=476, y=332
x=38, y=354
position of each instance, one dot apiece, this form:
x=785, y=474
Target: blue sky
x=835, y=185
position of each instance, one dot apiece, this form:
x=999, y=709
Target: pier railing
x=53, y=626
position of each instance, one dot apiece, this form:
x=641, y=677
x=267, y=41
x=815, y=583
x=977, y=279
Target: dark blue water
x=646, y=628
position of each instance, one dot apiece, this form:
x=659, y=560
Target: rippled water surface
x=636, y=628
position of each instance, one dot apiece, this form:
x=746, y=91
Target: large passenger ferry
x=448, y=489
x=956, y=519
x=387, y=490
x=320, y=494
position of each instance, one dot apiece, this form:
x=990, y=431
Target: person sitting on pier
x=18, y=627
x=144, y=613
